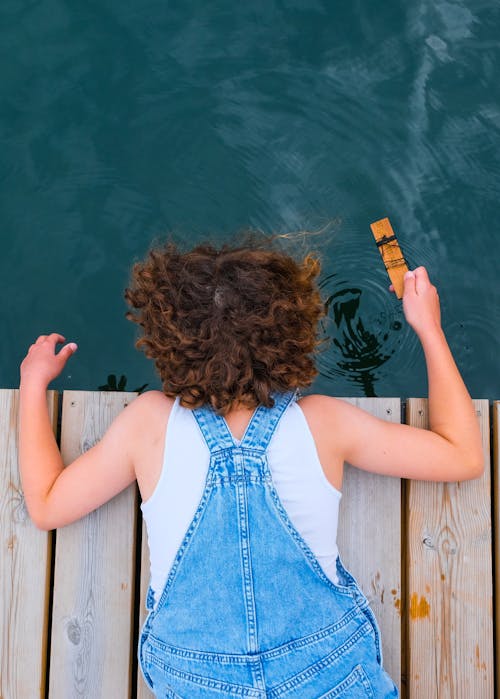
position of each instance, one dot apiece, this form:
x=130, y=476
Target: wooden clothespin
x=392, y=256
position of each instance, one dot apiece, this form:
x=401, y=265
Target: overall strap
x=265, y=420
x=214, y=429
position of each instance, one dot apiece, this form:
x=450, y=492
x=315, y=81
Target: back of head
x=227, y=326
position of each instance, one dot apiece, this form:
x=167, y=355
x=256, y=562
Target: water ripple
x=364, y=326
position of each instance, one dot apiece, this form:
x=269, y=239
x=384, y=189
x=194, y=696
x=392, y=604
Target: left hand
x=41, y=365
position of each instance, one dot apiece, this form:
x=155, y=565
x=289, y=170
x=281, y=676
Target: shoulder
x=151, y=400
x=332, y=421
x=148, y=404
x=146, y=415
x=152, y=403
x=323, y=409
x=141, y=426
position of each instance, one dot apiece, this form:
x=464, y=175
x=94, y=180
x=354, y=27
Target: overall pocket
x=143, y=637
x=355, y=686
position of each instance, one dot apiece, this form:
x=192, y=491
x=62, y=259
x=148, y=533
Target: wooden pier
x=72, y=601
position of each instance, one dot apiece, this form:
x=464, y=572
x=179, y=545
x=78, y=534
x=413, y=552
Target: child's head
x=227, y=326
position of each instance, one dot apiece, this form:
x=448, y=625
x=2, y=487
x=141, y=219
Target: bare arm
x=451, y=412
x=55, y=495
x=40, y=461
x=451, y=450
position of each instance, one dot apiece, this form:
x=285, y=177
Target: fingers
x=417, y=280
x=53, y=339
x=422, y=280
x=421, y=272
x=71, y=346
x=68, y=350
x=409, y=282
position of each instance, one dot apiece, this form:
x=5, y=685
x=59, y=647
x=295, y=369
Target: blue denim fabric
x=246, y=610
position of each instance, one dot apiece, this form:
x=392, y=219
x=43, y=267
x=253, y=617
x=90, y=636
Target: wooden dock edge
x=468, y=675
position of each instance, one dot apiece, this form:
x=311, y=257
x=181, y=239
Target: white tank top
x=309, y=499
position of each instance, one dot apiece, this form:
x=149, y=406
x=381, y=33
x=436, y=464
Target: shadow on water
x=358, y=336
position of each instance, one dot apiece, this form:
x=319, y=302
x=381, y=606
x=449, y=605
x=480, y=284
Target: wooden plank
x=450, y=580
x=143, y=691
x=369, y=539
x=392, y=256
x=24, y=567
x=496, y=527
x=92, y=623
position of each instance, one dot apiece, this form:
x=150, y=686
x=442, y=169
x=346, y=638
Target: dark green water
x=121, y=121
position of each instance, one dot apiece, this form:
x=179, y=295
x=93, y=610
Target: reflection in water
x=359, y=347
x=356, y=344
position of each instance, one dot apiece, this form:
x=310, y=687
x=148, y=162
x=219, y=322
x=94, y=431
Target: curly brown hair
x=227, y=326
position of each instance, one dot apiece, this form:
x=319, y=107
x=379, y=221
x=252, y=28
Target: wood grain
x=24, y=567
x=450, y=580
x=392, y=256
x=496, y=527
x=369, y=538
x=92, y=624
x=447, y=550
x=143, y=691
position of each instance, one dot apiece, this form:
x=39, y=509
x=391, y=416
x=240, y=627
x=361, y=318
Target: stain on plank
x=419, y=608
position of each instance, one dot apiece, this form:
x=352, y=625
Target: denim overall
x=246, y=610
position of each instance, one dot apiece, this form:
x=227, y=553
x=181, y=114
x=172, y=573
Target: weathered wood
x=24, y=567
x=496, y=526
x=92, y=624
x=449, y=577
x=392, y=256
x=369, y=538
x=143, y=691
x=450, y=580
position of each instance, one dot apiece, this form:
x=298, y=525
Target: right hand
x=421, y=302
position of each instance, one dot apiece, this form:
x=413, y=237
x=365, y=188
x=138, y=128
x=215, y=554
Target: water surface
x=120, y=122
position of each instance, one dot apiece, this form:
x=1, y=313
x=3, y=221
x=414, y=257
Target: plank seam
x=495, y=534
x=136, y=595
x=53, y=544
x=494, y=446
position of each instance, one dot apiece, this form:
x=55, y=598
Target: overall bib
x=247, y=610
